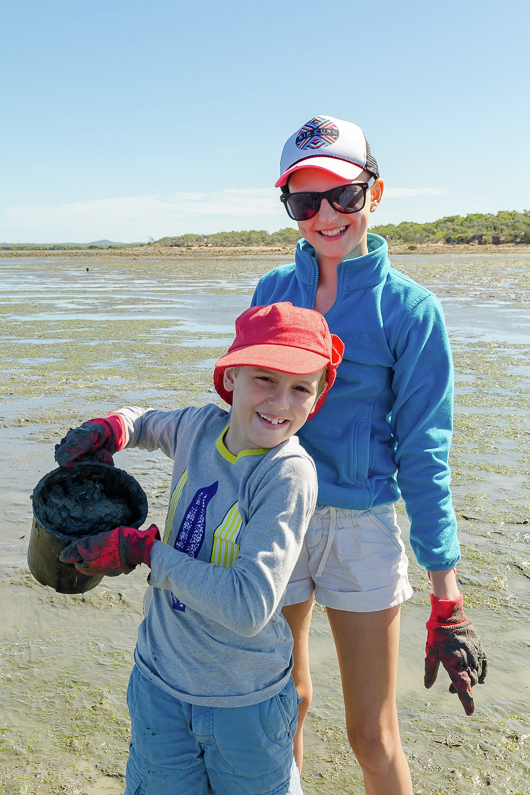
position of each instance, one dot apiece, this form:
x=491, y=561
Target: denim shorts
x=352, y=560
x=179, y=748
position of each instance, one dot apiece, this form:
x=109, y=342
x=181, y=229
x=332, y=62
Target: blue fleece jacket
x=386, y=426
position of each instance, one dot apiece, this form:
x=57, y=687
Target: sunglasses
x=346, y=199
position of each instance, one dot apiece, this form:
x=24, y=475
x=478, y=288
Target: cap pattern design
x=336, y=146
x=318, y=132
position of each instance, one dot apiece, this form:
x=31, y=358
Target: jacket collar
x=352, y=274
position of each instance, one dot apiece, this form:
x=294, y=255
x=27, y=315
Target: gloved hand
x=94, y=440
x=115, y=552
x=453, y=641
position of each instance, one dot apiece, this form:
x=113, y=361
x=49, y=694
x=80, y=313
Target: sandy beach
x=87, y=332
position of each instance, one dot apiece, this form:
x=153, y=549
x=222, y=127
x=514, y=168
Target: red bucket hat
x=282, y=337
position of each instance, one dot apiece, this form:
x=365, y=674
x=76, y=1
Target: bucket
x=49, y=538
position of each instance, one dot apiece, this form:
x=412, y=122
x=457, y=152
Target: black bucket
x=47, y=542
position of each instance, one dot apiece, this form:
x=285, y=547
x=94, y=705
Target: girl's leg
x=367, y=648
x=299, y=619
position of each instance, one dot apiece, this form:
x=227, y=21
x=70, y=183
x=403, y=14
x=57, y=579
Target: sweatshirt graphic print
x=190, y=537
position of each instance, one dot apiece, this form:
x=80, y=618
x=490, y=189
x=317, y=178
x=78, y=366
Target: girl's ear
x=229, y=377
x=376, y=195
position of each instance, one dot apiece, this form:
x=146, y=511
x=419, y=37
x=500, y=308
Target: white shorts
x=352, y=560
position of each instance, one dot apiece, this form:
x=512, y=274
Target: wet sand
x=78, y=343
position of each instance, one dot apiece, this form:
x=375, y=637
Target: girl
x=384, y=433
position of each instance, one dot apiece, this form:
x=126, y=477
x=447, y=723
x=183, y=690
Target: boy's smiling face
x=335, y=236
x=268, y=406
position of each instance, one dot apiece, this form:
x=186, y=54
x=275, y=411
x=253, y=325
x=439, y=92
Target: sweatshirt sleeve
x=244, y=598
x=422, y=423
x=150, y=429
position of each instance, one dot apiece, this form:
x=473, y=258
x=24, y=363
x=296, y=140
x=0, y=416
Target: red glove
x=453, y=641
x=95, y=440
x=115, y=552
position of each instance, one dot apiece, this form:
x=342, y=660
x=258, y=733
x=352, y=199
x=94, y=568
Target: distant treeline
x=254, y=237
x=504, y=227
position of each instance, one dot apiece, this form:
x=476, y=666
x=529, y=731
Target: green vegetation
x=284, y=237
x=504, y=227
x=507, y=226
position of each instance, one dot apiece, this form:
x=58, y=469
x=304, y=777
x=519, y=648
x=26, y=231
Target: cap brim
x=275, y=357
x=333, y=165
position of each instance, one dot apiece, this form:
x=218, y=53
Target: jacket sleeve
x=422, y=423
x=245, y=597
x=256, y=298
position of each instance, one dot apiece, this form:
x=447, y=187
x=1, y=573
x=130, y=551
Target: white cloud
x=135, y=218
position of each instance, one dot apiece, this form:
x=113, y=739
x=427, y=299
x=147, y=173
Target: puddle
x=492, y=322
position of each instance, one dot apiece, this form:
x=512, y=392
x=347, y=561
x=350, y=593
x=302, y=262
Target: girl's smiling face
x=335, y=236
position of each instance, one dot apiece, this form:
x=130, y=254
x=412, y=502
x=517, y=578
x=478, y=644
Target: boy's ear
x=229, y=377
x=376, y=195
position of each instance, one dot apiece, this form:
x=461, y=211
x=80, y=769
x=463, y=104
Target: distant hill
x=107, y=243
x=66, y=246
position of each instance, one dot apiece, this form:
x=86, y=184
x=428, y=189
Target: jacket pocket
x=361, y=450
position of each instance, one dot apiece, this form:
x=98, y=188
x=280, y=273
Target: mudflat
x=83, y=335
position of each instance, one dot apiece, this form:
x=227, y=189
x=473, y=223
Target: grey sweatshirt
x=213, y=633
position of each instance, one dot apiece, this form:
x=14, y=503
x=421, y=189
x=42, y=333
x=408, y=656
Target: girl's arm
x=444, y=585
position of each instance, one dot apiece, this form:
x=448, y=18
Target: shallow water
x=76, y=344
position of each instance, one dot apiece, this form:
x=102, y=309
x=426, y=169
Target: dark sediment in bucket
x=83, y=508
x=72, y=502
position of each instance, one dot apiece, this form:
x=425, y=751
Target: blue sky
x=127, y=120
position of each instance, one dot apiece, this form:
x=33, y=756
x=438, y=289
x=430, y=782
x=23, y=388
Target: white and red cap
x=339, y=147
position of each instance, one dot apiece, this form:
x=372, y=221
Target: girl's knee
x=375, y=749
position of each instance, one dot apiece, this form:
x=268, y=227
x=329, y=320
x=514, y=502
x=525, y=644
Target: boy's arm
x=150, y=429
x=243, y=598
x=100, y=438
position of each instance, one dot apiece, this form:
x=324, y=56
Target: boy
x=385, y=432
x=212, y=701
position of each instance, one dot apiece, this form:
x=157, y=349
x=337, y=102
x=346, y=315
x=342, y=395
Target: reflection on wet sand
x=78, y=344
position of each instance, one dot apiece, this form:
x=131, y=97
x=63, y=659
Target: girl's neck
x=327, y=277
x=326, y=287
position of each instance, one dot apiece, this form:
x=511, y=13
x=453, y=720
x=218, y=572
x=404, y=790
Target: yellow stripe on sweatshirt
x=225, y=550
x=173, y=502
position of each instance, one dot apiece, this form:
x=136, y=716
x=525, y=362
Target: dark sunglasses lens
x=348, y=199
x=302, y=206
